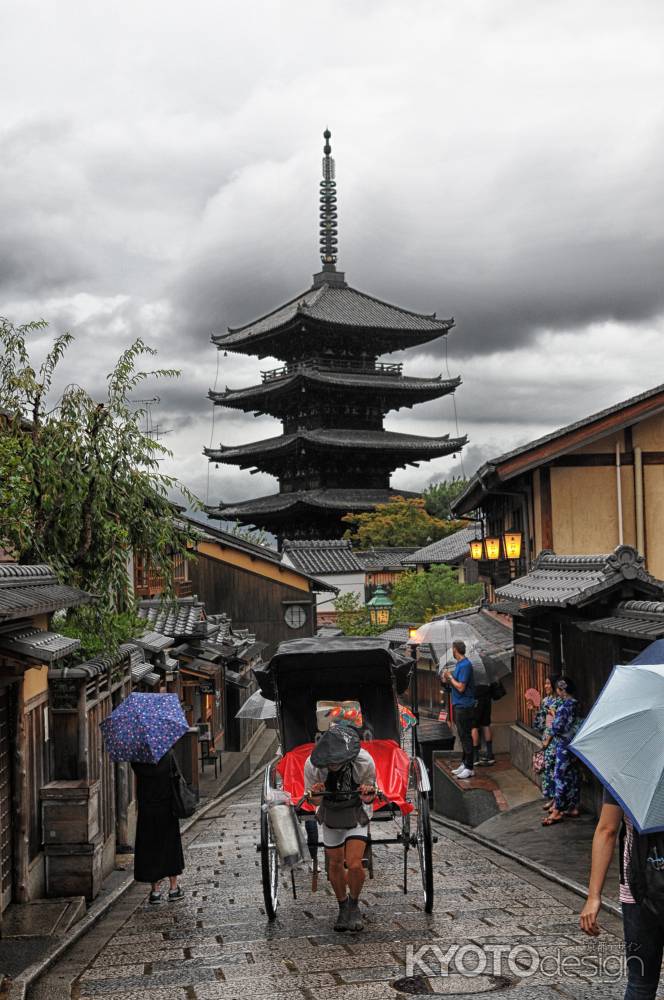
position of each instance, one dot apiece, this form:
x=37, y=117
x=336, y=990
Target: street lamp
x=492, y=548
x=477, y=549
x=512, y=542
x=380, y=607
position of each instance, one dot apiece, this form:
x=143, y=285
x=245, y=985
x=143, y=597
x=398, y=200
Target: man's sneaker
x=175, y=895
x=154, y=898
x=486, y=761
x=341, y=923
x=355, y=921
x=459, y=768
x=466, y=773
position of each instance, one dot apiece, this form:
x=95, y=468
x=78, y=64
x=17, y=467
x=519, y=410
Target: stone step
x=42, y=917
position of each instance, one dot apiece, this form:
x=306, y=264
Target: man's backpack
x=646, y=875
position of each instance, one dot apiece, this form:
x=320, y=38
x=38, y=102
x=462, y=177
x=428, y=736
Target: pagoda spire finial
x=328, y=209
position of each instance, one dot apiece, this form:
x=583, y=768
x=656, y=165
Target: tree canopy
x=417, y=597
x=399, y=522
x=438, y=497
x=80, y=483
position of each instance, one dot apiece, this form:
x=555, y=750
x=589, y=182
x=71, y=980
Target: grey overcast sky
x=500, y=161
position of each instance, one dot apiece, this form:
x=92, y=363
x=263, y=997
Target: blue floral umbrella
x=144, y=727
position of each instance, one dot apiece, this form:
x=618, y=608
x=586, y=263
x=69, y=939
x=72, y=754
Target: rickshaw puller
x=339, y=765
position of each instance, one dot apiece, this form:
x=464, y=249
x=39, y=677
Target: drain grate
x=450, y=986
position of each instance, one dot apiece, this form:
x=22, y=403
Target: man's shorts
x=483, y=708
x=337, y=838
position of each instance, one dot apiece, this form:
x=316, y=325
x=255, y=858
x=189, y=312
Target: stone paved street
x=218, y=945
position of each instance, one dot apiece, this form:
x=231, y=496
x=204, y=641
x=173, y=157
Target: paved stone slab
x=218, y=944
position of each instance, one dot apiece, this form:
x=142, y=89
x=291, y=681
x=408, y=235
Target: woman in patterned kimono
x=544, y=717
x=566, y=775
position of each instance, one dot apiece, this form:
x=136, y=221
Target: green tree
x=353, y=616
x=439, y=497
x=419, y=596
x=399, y=522
x=80, y=483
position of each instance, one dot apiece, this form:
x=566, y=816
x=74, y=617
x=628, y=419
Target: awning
x=200, y=668
x=237, y=680
x=36, y=644
x=143, y=673
x=154, y=642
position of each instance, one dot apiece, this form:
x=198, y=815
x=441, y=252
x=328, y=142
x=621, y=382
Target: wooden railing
x=354, y=365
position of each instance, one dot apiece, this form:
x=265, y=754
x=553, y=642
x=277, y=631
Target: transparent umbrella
x=442, y=633
x=257, y=707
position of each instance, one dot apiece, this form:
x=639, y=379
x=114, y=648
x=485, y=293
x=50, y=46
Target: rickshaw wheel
x=424, y=849
x=269, y=859
x=422, y=839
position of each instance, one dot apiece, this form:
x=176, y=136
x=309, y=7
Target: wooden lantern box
x=74, y=869
x=70, y=812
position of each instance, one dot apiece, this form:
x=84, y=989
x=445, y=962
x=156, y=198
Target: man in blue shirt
x=463, y=701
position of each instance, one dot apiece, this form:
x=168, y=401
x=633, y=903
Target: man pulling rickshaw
x=340, y=779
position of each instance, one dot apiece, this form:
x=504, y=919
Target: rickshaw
x=301, y=675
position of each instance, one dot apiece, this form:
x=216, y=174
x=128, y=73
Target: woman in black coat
x=158, y=848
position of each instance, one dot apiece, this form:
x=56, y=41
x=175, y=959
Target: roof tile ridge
x=447, y=323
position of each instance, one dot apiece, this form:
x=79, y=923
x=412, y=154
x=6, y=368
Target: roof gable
x=328, y=556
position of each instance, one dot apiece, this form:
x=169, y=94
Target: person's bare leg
x=356, y=876
x=155, y=886
x=336, y=872
x=337, y=876
x=173, y=882
x=356, y=872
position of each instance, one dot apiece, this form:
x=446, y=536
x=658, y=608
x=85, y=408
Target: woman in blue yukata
x=542, y=722
x=566, y=774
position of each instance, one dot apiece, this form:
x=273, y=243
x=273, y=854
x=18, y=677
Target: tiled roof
x=127, y=653
x=430, y=388
x=342, y=500
x=35, y=590
x=399, y=634
x=175, y=618
x=342, y=438
x=476, y=485
x=570, y=581
x=36, y=644
x=638, y=619
x=338, y=305
x=331, y=557
x=452, y=549
x=384, y=558
x=496, y=638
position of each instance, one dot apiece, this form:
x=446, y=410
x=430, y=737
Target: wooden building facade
x=584, y=489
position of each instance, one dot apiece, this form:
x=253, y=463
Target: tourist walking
x=463, y=702
x=158, y=848
x=566, y=774
x=544, y=716
x=643, y=926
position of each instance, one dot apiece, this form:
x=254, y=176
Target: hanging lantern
x=492, y=548
x=512, y=542
x=477, y=549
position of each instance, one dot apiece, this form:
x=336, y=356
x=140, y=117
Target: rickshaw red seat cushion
x=392, y=765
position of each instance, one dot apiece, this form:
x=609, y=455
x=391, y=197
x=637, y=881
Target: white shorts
x=337, y=838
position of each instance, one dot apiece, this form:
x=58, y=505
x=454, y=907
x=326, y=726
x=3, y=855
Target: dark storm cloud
x=170, y=190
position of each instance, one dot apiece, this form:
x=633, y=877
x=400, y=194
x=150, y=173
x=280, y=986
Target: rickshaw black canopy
x=305, y=671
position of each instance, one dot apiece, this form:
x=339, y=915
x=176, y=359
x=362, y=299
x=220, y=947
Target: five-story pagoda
x=331, y=394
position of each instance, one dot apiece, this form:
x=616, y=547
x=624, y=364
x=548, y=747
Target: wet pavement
x=514, y=929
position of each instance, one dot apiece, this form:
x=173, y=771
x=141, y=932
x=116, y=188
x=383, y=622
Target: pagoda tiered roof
x=274, y=391
x=331, y=394
x=301, y=505
x=332, y=439
x=328, y=307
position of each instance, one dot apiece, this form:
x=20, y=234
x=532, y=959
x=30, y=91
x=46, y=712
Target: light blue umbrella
x=622, y=742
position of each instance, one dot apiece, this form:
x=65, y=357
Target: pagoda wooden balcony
x=353, y=365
